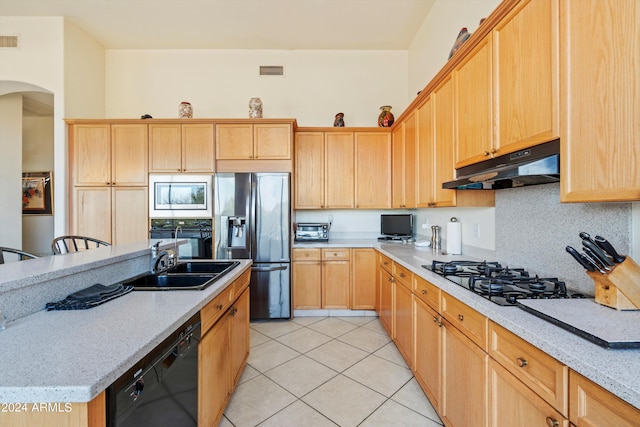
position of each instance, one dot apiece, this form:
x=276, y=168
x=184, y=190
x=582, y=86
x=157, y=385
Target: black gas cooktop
x=499, y=283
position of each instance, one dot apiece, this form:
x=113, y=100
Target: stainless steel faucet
x=159, y=261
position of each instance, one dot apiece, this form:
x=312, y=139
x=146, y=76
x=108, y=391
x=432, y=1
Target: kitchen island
x=67, y=358
x=617, y=371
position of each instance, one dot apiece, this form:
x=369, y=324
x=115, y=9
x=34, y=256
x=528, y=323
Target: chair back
x=22, y=255
x=67, y=244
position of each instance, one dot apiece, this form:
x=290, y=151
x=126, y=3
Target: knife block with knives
x=620, y=288
x=616, y=277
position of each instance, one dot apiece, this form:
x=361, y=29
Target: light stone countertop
x=72, y=356
x=617, y=371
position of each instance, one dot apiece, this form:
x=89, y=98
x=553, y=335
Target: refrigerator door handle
x=262, y=270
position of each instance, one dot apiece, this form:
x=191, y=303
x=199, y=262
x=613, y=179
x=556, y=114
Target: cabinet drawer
x=386, y=263
x=311, y=254
x=240, y=283
x=427, y=292
x=212, y=311
x=540, y=372
x=463, y=317
x=403, y=275
x=335, y=254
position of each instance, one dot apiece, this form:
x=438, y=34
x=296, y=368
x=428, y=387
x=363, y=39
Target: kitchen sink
x=203, y=267
x=184, y=276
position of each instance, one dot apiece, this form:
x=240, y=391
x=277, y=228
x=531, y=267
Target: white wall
x=219, y=83
x=430, y=48
x=11, y=170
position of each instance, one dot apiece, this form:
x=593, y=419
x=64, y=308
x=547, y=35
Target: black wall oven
x=162, y=388
x=197, y=231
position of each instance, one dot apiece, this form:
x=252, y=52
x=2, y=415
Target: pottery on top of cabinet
x=185, y=111
x=255, y=108
x=339, y=120
x=385, y=119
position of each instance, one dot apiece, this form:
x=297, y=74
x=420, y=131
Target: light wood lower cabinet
x=513, y=403
x=223, y=349
x=403, y=312
x=464, y=380
x=363, y=278
x=428, y=349
x=387, y=291
x=307, y=279
x=321, y=278
x=591, y=406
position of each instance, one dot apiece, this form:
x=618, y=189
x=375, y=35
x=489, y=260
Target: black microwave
x=311, y=232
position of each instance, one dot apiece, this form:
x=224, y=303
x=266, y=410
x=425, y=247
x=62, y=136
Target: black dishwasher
x=161, y=389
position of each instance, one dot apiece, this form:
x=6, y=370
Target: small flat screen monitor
x=396, y=226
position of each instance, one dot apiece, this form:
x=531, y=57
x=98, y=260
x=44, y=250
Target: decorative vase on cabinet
x=255, y=108
x=385, y=119
x=185, y=111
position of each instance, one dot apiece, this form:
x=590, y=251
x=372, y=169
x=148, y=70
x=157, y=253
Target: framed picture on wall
x=36, y=193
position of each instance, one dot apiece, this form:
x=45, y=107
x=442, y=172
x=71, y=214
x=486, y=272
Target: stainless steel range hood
x=536, y=165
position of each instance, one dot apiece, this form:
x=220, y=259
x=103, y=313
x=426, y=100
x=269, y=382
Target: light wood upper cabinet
x=257, y=141
x=525, y=77
x=600, y=100
x=425, y=191
x=473, y=106
x=443, y=98
x=105, y=155
x=181, y=147
x=309, y=170
x=372, y=170
x=403, y=163
x=324, y=170
x=339, y=170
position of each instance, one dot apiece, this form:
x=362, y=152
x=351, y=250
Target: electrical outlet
x=476, y=230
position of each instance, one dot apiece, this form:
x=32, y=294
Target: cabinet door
x=397, y=160
x=197, y=148
x=307, y=285
x=309, y=170
x=339, y=170
x=165, y=148
x=425, y=156
x=92, y=212
x=464, y=380
x=129, y=215
x=129, y=154
x=214, y=376
x=386, y=301
x=234, y=141
x=272, y=141
x=474, y=112
x=363, y=281
x=512, y=403
x=336, y=284
x=600, y=100
x=373, y=170
x=591, y=405
x=410, y=161
x=92, y=154
x=427, y=332
x=444, y=140
x=404, y=322
x=525, y=78
x=239, y=327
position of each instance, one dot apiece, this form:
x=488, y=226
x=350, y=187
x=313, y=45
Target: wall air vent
x=9, y=42
x=272, y=70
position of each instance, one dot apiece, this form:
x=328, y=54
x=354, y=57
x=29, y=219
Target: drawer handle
x=401, y=274
x=306, y=254
x=423, y=292
x=461, y=317
x=552, y=422
x=522, y=362
x=219, y=306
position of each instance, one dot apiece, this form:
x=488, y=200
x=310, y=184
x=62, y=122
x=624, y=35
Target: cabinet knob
x=552, y=422
x=423, y=291
x=435, y=319
x=493, y=151
x=522, y=362
x=486, y=153
x=461, y=317
x=306, y=255
x=401, y=274
x=219, y=306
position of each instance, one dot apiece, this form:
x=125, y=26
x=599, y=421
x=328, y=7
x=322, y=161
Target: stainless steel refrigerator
x=252, y=219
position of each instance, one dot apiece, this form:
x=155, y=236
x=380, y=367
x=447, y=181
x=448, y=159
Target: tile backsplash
x=533, y=228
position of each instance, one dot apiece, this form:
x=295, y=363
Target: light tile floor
x=326, y=371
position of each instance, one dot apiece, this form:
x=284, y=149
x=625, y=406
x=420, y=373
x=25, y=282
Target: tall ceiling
x=237, y=24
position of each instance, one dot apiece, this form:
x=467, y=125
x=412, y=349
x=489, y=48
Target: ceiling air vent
x=9, y=42
x=272, y=70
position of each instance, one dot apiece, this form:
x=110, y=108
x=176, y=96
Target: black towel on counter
x=90, y=297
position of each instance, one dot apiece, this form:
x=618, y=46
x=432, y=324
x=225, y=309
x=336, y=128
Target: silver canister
x=436, y=241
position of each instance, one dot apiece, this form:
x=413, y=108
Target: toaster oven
x=311, y=232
